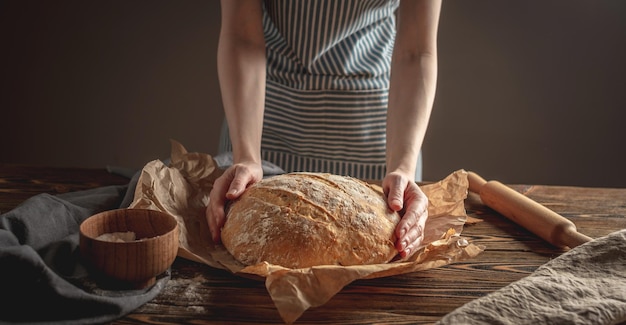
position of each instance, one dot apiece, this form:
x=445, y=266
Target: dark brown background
x=528, y=92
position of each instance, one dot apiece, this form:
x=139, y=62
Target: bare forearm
x=413, y=83
x=411, y=96
x=241, y=71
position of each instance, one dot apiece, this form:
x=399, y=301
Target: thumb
x=240, y=179
x=395, y=193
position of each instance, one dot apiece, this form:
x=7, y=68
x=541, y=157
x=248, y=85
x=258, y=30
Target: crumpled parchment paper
x=182, y=190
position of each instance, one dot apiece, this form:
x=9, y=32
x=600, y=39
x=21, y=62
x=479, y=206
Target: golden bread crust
x=300, y=220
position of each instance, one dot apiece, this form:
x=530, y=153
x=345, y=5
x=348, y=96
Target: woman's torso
x=328, y=65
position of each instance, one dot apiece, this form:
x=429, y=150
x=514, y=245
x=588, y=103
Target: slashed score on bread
x=299, y=220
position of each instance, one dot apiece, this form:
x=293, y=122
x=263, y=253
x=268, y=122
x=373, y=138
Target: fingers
x=215, y=213
x=413, y=236
x=229, y=186
x=410, y=230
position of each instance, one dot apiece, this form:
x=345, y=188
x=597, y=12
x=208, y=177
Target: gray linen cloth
x=43, y=280
x=586, y=285
x=42, y=277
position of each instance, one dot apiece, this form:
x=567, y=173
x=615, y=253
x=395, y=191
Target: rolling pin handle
x=475, y=182
x=571, y=238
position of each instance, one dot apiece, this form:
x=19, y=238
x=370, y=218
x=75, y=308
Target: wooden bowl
x=135, y=263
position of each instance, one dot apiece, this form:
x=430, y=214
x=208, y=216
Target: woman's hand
x=229, y=186
x=404, y=196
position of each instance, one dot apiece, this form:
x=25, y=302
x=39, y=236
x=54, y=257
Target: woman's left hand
x=405, y=196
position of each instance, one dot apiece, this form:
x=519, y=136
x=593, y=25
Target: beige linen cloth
x=585, y=286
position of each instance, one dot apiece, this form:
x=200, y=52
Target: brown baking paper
x=182, y=190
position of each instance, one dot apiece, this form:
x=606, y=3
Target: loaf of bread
x=299, y=220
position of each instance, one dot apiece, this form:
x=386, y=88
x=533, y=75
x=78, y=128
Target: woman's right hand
x=227, y=187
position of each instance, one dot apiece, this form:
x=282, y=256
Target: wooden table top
x=200, y=294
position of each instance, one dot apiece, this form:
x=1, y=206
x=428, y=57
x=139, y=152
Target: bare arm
x=411, y=97
x=241, y=68
x=413, y=82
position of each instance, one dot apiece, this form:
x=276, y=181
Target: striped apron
x=328, y=64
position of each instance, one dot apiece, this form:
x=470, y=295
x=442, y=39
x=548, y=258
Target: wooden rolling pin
x=527, y=213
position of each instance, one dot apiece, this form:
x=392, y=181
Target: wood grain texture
x=199, y=294
x=20, y=182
